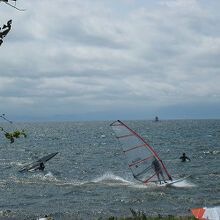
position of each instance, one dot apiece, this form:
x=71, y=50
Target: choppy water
x=89, y=178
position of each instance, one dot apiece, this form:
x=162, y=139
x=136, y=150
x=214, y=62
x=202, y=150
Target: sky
x=110, y=59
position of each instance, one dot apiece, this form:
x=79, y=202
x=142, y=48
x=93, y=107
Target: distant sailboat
x=143, y=161
x=156, y=118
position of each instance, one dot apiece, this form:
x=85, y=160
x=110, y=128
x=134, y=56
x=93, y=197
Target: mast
x=142, y=144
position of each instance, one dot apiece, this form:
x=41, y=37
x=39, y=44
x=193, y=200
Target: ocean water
x=90, y=178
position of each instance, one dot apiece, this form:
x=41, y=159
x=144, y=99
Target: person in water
x=41, y=166
x=157, y=168
x=184, y=158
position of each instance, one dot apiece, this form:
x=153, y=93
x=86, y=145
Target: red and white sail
x=139, y=154
x=207, y=213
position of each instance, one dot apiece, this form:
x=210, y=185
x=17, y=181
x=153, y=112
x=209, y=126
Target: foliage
x=12, y=5
x=4, y=30
x=140, y=215
x=13, y=135
x=169, y=217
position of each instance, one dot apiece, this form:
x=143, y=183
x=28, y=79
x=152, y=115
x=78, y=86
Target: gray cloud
x=87, y=56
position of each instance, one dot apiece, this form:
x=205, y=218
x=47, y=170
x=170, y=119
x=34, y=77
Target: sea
x=89, y=178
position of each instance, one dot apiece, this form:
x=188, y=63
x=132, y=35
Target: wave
x=111, y=179
x=109, y=176
x=8, y=165
x=183, y=184
x=212, y=152
x=44, y=175
x=108, y=179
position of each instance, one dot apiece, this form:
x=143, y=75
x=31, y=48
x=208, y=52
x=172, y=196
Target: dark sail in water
x=35, y=165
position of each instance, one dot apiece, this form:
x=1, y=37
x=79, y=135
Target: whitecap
x=183, y=184
x=111, y=179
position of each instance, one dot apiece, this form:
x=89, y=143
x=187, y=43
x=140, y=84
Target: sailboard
x=207, y=213
x=173, y=181
x=35, y=165
x=140, y=155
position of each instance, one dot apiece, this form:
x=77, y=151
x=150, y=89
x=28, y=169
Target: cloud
x=100, y=56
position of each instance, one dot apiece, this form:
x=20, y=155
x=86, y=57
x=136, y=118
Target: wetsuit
x=157, y=168
x=41, y=166
x=184, y=158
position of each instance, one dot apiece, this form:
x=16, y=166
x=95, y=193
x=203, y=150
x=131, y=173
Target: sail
x=36, y=164
x=207, y=213
x=145, y=164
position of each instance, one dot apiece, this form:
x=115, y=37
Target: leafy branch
x=4, y=30
x=14, y=6
x=13, y=135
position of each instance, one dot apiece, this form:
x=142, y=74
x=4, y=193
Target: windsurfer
x=156, y=166
x=184, y=158
x=41, y=167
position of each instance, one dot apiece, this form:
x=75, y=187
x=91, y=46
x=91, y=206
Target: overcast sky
x=111, y=59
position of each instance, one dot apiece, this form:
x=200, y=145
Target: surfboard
x=35, y=165
x=169, y=182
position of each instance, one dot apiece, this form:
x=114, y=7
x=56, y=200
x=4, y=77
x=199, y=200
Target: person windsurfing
x=184, y=158
x=41, y=167
x=157, y=168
